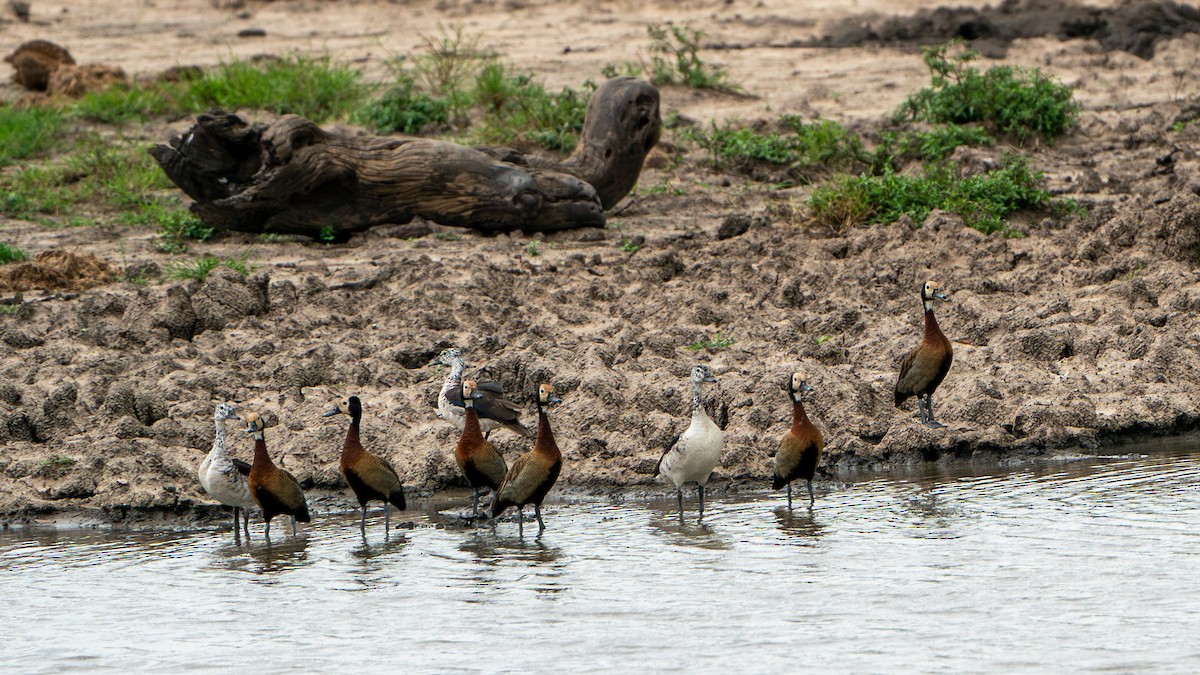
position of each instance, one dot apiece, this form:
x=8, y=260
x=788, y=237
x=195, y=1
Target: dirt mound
x=1134, y=26
x=57, y=270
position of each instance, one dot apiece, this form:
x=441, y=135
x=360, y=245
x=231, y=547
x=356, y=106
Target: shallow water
x=1084, y=564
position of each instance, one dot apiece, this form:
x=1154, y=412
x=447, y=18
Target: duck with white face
x=535, y=472
x=276, y=491
x=923, y=369
x=800, y=449
x=692, y=456
x=480, y=463
x=370, y=477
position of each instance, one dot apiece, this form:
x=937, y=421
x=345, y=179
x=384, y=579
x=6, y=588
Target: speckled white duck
x=493, y=409
x=224, y=477
x=691, y=457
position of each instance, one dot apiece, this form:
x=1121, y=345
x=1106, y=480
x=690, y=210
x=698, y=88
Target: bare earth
x=1080, y=335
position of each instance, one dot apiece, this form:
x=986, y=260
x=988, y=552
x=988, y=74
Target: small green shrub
x=897, y=147
x=316, y=88
x=404, y=109
x=27, y=132
x=1018, y=102
x=717, y=342
x=10, y=253
x=521, y=109
x=675, y=59
x=198, y=269
x=984, y=201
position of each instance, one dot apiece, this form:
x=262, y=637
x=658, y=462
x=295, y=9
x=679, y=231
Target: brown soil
x=1079, y=335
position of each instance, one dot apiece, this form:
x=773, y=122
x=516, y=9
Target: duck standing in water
x=693, y=455
x=493, y=409
x=224, y=477
x=534, y=473
x=800, y=450
x=276, y=491
x=480, y=463
x=924, y=368
x=371, y=477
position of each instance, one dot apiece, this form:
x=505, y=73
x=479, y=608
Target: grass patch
x=984, y=201
x=518, y=109
x=199, y=269
x=27, y=132
x=133, y=102
x=675, y=59
x=313, y=87
x=10, y=253
x=1017, y=102
x=717, y=342
x=794, y=144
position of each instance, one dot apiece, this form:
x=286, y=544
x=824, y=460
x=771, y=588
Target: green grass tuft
x=405, y=109
x=122, y=103
x=1018, y=102
x=313, y=87
x=27, y=132
x=717, y=342
x=199, y=269
x=795, y=144
x=10, y=253
x=984, y=201
x=675, y=59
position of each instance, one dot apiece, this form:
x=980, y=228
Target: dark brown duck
x=800, y=449
x=534, y=473
x=481, y=464
x=924, y=368
x=371, y=477
x=276, y=491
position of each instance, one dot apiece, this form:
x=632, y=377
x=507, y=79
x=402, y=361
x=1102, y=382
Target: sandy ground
x=1080, y=335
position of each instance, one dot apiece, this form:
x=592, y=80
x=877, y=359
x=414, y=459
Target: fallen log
x=293, y=177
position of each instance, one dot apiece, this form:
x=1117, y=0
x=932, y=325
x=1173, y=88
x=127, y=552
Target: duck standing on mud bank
x=924, y=368
x=493, y=409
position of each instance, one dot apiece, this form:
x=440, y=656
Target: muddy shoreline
x=1079, y=335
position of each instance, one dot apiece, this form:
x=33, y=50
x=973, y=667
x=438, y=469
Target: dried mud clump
x=34, y=62
x=1134, y=26
x=57, y=270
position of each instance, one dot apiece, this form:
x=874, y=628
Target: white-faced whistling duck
x=800, y=450
x=534, y=473
x=493, y=409
x=480, y=462
x=924, y=368
x=370, y=477
x=276, y=491
x=225, y=478
x=692, y=456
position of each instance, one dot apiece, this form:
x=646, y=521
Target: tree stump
x=293, y=177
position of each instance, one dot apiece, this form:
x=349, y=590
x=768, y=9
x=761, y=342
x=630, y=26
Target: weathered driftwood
x=293, y=177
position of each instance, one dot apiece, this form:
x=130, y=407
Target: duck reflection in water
x=802, y=525
x=491, y=550
x=688, y=533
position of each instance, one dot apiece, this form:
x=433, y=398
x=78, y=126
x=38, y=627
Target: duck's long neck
x=932, y=329
x=697, y=403
x=799, y=416
x=219, y=443
x=353, y=444
x=260, y=449
x=545, y=437
x=454, y=379
x=471, y=432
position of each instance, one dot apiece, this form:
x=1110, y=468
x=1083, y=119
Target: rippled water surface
x=1088, y=564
